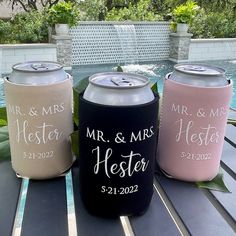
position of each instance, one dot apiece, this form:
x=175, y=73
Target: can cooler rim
x=14, y=67
x=156, y=98
x=230, y=83
x=69, y=77
x=220, y=71
x=145, y=79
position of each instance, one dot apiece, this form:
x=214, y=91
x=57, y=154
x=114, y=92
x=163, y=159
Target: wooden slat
x=88, y=225
x=156, y=221
x=229, y=156
x=194, y=208
x=9, y=192
x=228, y=200
x=231, y=133
x=46, y=209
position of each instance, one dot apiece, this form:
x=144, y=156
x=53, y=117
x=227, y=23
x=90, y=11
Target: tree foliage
x=209, y=5
x=214, y=25
x=25, y=27
x=216, y=18
x=5, y=31
x=98, y=9
x=142, y=11
x=93, y=9
x=34, y=27
x=29, y=5
x=63, y=13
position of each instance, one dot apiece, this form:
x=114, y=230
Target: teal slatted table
x=54, y=208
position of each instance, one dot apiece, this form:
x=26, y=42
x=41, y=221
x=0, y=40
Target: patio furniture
x=177, y=208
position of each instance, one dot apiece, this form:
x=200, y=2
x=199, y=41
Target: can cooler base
x=194, y=177
x=96, y=207
x=43, y=177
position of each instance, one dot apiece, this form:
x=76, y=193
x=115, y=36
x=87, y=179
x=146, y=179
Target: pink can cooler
x=193, y=119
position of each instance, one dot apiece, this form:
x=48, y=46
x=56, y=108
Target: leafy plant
x=63, y=13
x=77, y=89
x=215, y=184
x=74, y=142
x=3, y=115
x=4, y=136
x=185, y=13
x=4, y=144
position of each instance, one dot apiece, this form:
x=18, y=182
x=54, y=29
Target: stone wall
x=64, y=50
x=179, y=46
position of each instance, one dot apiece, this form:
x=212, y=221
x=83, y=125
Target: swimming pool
x=155, y=71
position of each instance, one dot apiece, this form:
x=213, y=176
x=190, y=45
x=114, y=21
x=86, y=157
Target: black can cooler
x=117, y=148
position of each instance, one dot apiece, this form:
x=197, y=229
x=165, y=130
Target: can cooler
x=192, y=127
x=117, y=146
x=40, y=124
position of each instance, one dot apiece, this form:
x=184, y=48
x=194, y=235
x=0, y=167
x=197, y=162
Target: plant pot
x=182, y=28
x=62, y=29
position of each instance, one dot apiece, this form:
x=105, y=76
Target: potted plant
x=62, y=16
x=183, y=16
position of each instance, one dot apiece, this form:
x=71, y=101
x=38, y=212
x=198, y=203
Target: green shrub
x=137, y=12
x=5, y=31
x=214, y=25
x=25, y=27
x=29, y=27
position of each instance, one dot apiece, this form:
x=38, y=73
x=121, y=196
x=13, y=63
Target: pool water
x=2, y=103
x=155, y=71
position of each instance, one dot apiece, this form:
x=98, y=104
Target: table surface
x=54, y=208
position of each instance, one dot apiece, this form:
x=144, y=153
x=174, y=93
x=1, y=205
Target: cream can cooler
x=40, y=124
x=192, y=126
